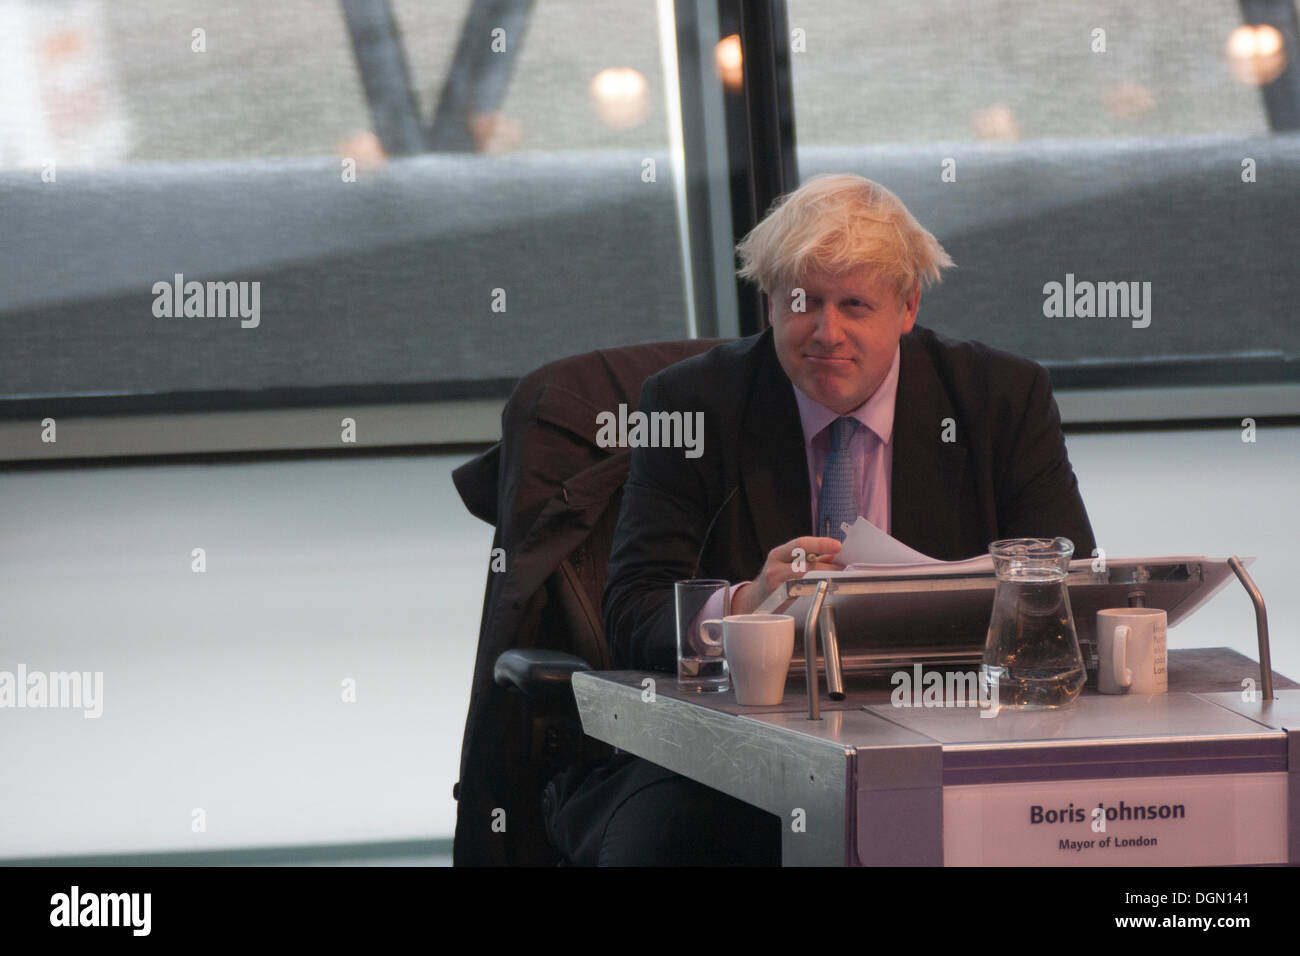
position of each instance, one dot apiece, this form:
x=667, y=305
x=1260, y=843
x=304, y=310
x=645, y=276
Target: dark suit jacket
x=1005, y=476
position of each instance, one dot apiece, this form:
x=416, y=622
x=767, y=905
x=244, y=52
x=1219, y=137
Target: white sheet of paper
x=867, y=548
x=867, y=544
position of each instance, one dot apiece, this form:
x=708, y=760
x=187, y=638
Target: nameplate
x=1200, y=819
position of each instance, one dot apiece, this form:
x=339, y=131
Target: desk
x=872, y=784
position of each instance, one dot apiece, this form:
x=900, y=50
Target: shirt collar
x=876, y=413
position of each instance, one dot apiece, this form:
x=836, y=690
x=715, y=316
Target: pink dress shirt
x=872, y=448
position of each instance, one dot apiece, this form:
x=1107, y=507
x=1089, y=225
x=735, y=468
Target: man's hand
x=785, y=561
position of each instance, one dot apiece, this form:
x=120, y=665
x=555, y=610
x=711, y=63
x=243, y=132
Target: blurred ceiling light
x=997, y=123
x=494, y=133
x=1256, y=53
x=619, y=94
x=365, y=148
x=64, y=43
x=1129, y=100
x=730, y=62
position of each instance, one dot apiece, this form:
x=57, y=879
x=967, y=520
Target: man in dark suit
x=843, y=406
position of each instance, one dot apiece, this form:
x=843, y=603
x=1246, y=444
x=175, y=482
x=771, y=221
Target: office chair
x=553, y=495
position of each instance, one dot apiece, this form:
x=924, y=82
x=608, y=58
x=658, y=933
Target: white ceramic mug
x=1134, y=658
x=758, y=648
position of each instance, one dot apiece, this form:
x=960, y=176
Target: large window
x=432, y=198
x=429, y=196
x=1139, y=156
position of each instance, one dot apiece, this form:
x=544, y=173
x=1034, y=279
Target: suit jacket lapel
x=927, y=471
x=773, y=463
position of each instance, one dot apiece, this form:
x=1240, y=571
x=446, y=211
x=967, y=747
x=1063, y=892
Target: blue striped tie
x=837, y=503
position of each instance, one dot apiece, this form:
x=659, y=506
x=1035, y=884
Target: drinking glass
x=702, y=603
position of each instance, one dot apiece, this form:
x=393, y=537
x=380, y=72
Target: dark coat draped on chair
x=553, y=494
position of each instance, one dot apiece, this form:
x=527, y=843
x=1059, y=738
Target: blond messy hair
x=839, y=222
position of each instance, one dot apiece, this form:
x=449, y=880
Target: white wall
x=222, y=689
x=1205, y=492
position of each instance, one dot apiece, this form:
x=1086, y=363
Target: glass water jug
x=1031, y=655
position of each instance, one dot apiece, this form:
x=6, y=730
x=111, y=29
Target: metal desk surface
x=1091, y=719
x=1283, y=712
x=777, y=759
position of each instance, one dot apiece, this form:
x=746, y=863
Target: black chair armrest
x=541, y=675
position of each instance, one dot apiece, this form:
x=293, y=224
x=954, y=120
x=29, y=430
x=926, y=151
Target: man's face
x=838, y=351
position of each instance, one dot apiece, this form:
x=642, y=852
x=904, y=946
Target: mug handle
x=1119, y=647
x=704, y=632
